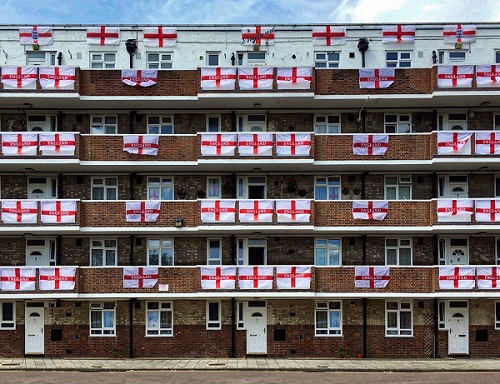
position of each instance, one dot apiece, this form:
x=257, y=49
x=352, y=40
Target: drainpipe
x=363, y=47
x=365, y=328
x=131, y=304
x=434, y=120
x=233, y=121
x=131, y=185
x=436, y=330
x=363, y=242
x=132, y=254
x=60, y=191
x=233, y=328
x=131, y=118
x=363, y=185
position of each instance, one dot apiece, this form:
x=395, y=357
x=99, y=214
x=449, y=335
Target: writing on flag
x=258, y=211
x=259, y=277
x=452, y=277
x=293, y=144
x=142, y=211
x=488, y=75
x=455, y=210
x=223, y=277
x=218, y=211
x=218, y=78
x=19, y=211
x=19, y=144
x=58, y=211
x=370, y=210
x=369, y=145
x=219, y=144
x=141, y=144
x=62, y=144
x=453, y=143
x=57, y=278
x=19, y=77
x=17, y=279
x=293, y=277
x=371, y=277
x=257, y=35
x=376, y=78
x=455, y=76
x=294, y=78
x=57, y=77
x=487, y=143
x=140, y=77
x=487, y=210
x=255, y=78
x=290, y=211
x=140, y=277
x=488, y=277
x=255, y=144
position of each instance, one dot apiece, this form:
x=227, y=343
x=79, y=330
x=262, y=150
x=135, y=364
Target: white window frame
x=214, y=117
x=243, y=245
x=326, y=59
x=245, y=182
x=241, y=311
x=403, y=59
x=245, y=122
x=446, y=186
x=497, y=314
x=452, y=56
x=49, y=58
x=104, y=308
x=402, y=123
x=163, y=185
x=251, y=58
x=402, y=307
x=165, y=60
x=104, y=186
x=330, y=308
x=442, y=324
x=323, y=182
x=7, y=324
x=164, y=126
x=105, y=126
x=214, y=324
x=210, y=55
x=328, y=245
x=164, y=244
x=214, y=182
x=401, y=243
x=453, y=121
x=326, y=124
x=104, y=247
x=155, y=329
x=401, y=182
x=99, y=60
x=218, y=259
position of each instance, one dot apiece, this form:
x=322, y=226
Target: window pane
x=213, y=311
x=392, y=257
x=392, y=320
x=8, y=312
x=334, y=257
x=166, y=319
x=95, y=319
x=405, y=256
x=321, y=319
x=335, y=319
x=108, y=319
x=321, y=256
x=405, y=320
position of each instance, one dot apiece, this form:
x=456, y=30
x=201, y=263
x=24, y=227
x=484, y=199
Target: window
x=452, y=122
x=159, y=319
x=213, y=315
x=213, y=187
x=159, y=60
x=104, y=188
x=398, y=318
x=398, y=252
x=160, y=125
x=496, y=122
x=327, y=252
x=396, y=59
x=103, y=125
x=7, y=315
x=213, y=123
x=213, y=59
x=497, y=251
x=161, y=252
x=252, y=187
x=328, y=318
x=214, y=252
x=398, y=187
x=105, y=60
x=497, y=57
x=40, y=58
x=326, y=124
x=497, y=314
x=394, y=123
x=449, y=57
x=252, y=123
x=327, y=188
x=252, y=58
x=103, y=252
x=160, y=188
x=326, y=59
x=252, y=251
x=442, y=314
x=102, y=319
x=240, y=315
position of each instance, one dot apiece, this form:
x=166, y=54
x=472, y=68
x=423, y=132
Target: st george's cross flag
x=255, y=144
x=63, y=144
x=398, y=33
x=487, y=143
x=455, y=207
x=292, y=211
x=255, y=78
x=218, y=144
x=294, y=77
x=19, y=144
x=488, y=277
x=453, y=143
x=60, y=77
x=141, y=144
x=256, y=211
x=140, y=77
x=371, y=277
x=19, y=211
x=17, y=279
x=140, y=277
x=455, y=76
x=329, y=35
x=370, y=145
x=370, y=209
x=218, y=277
x=58, y=211
x=293, y=144
x=293, y=277
x=453, y=277
x=376, y=78
x=57, y=278
x=218, y=78
x=255, y=277
x=142, y=211
x=487, y=210
x=218, y=211
x=159, y=37
x=257, y=35
x=488, y=75
x=35, y=35
x=19, y=77
x=103, y=35
x=459, y=33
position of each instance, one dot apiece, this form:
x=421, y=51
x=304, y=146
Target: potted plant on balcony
x=181, y=193
x=291, y=185
x=228, y=187
x=301, y=192
x=201, y=193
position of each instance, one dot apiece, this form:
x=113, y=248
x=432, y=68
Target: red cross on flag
x=218, y=78
x=218, y=211
x=487, y=143
x=376, y=78
x=141, y=144
x=255, y=144
x=35, y=35
x=58, y=211
x=160, y=36
x=17, y=279
x=463, y=277
x=369, y=145
x=293, y=277
x=57, y=77
x=57, y=278
x=294, y=78
x=19, y=144
x=456, y=210
x=458, y=33
x=140, y=277
x=255, y=78
x=103, y=35
x=370, y=210
x=140, y=77
x=328, y=35
x=453, y=143
x=398, y=34
x=488, y=277
x=487, y=210
x=218, y=144
x=260, y=277
x=223, y=277
x=142, y=211
x=57, y=143
x=19, y=211
x=455, y=76
x=371, y=277
x=488, y=75
x=19, y=77
x=256, y=211
x=257, y=35
x=291, y=211
x=293, y=144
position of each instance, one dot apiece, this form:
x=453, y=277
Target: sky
x=270, y=12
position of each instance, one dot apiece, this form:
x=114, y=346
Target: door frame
x=250, y=311
x=41, y=335
x=450, y=312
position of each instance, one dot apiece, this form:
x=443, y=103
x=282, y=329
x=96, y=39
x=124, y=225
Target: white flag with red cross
x=451, y=277
x=376, y=78
x=371, y=277
x=143, y=211
x=103, y=35
x=487, y=210
x=255, y=78
x=223, y=277
x=19, y=77
x=291, y=211
x=57, y=278
x=370, y=210
x=293, y=277
x=35, y=35
x=218, y=211
x=487, y=143
x=58, y=211
x=57, y=77
x=455, y=76
x=293, y=144
x=218, y=144
x=260, y=277
x=17, y=279
x=488, y=75
x=218, y=78
x=257, y=35
x=57, y=144
x=459, y=33
x=328, y=35
x=19, y=144
x=453, y=143
x=255, y=144
x=294, y=78
x=398, y=34
x=141, y=144
x=370, y=145
x=140, y=77
x=488, y=277
x=160, y=36
x=19, y=211
x=455, y=207
x=256, y=211
x=140, y=277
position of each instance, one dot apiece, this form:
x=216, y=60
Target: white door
x=41, y=123
x=40, y=252
x=458, y=336
x=458, y=255
x=252, y=123
x=34, y=329
x=257, y=331
x=42, y=188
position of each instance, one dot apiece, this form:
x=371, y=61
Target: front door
x=257, y=331
x=34, y=330
x=458, y=336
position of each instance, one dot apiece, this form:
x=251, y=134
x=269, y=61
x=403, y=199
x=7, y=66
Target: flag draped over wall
x=290, y=211
x=103, y=35
x=19, y=211
x=255, y=78
x=141, y=144
x=257, y=35
x=369, y=145
x=57, y=143
x=19, y=144
x=371, y=277
x=218, y=211
x=160, y=37
x=293, y=277
x=398, y=34
x=57, y=278
x=258, y=277
x=455, y=76
x=376, y=78
x=140, y=77
x=293, y=144
x=142, y=211
x=222, y=277
x=370, y=210
x=453, y=143
x=218, y=78
x=35, y=35
x=58, y=211
x=452, y=277
x=60, y=77
x=329, y=35
x=140, y=277
x=17, y=279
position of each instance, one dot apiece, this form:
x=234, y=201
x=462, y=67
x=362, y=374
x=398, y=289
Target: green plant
x=345, y=352
x=118, y=353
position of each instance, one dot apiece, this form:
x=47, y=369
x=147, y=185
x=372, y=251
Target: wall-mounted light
x=179, y=222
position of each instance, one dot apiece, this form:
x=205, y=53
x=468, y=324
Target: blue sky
x=168, y=12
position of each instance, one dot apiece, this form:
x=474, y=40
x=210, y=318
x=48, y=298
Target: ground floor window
x=497, y=315
x=398, y=318
x=159, y=319
x=7, y=315
x=213, y=315
x=328, y=318
x=102, y=319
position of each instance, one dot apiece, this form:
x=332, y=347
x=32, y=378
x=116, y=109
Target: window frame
x=400, y=122
x=333, y=62
x=213, y=325
x=444, y=249
x=7, y=324
x=400, y=183
x=398, y=313
x=212, y=54
x=327, y=124
x=328, y=331
x=169, y=62
x=101, y=307
x=106, y=64
x=328, y=248
x=497, y=314
x=167, y=331
x=396, y=63
x=327, y=187
x=104, y=187
x=164, y=183
x=246, y=182
x=244, y=59
x=104, y=248
x=217, y=116
x=398, y=249
x=49, y=58
x=160, y=249
x=214, y=180
x=103, y=125
x=244, y=244
x=241, y=311
x=168, y=123
x=218, y=260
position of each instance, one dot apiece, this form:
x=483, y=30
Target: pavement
x=252, y=364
